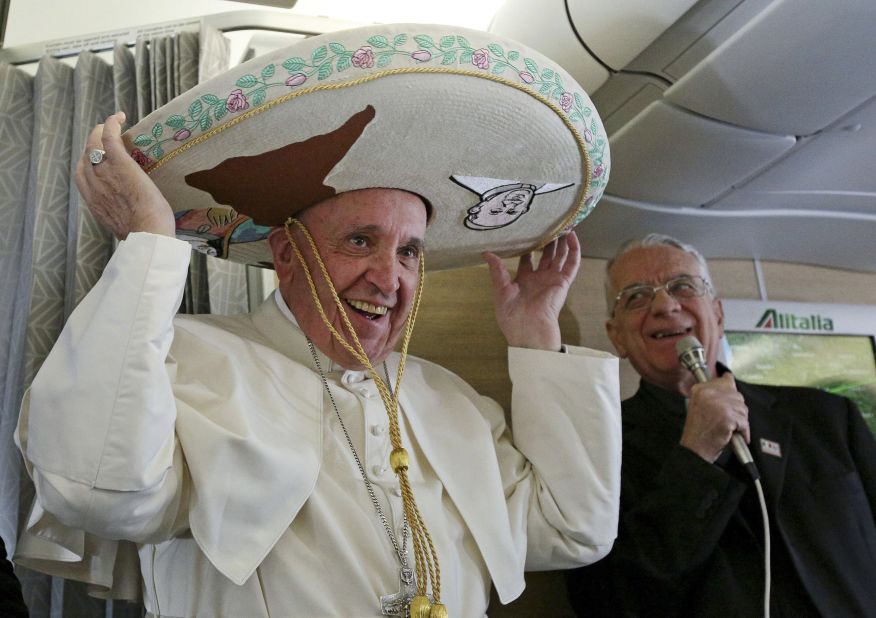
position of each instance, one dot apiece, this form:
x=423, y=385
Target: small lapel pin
x=768, y=447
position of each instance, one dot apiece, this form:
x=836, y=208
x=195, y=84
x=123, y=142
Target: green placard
x=841, y=364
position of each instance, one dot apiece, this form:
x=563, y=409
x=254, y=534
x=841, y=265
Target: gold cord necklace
x=425, y=555
x=390, y=604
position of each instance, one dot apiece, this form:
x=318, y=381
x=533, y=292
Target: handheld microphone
x=692, y=356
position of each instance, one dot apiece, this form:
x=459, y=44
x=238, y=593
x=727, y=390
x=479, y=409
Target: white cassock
x=210, y=443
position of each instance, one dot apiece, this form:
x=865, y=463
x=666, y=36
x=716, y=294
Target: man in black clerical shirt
x=691, y=539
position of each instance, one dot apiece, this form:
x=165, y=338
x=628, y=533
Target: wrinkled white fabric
x=210, y=443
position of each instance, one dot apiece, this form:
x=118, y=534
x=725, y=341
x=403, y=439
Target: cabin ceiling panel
x=844, y=241
x=667, y=155
x=832, y=171
x=793, y=69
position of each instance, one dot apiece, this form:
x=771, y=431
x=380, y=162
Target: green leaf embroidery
x=247, y=81
x=319, y=54
x=176, y=122
x=294, y=64
x=425, y=41
x=378, y=41
x=195, y=109
x=343, y=62
x=448, y=57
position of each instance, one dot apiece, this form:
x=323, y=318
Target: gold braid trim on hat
x=425, y=555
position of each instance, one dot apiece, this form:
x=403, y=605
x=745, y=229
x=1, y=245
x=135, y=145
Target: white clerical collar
x=284, y=308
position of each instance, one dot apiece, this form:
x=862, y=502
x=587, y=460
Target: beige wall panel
x=456, y=328
x=734, y=279
x=813, y=284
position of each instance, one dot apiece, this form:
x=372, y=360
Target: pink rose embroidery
x=182, y=134
x=363, y=58
x=141, y=159
x=236, y=101
x=527, y=77
x=422, y=55
x=481, y=58
x=598, y=171
x=566, y=101
x=296, y=79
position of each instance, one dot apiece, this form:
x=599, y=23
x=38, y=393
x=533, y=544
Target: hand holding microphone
x=714, y=409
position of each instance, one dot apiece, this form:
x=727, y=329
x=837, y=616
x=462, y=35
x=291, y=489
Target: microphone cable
x=766, y=548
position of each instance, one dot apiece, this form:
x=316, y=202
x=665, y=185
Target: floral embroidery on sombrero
x=381, y=52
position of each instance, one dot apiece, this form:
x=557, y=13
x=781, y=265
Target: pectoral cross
x=399, y=604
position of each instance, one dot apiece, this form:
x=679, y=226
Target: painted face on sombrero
x=371, y=242
x=500, y=210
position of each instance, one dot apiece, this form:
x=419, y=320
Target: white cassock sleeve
x=566, y=424
x=114, y=433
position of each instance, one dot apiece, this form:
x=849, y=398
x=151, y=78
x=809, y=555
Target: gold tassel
x=420, y=607
x=439, y=610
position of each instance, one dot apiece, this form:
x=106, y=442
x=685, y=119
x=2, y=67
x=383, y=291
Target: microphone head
x=692, y=357
x=687, y=344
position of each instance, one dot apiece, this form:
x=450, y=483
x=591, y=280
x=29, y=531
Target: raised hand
x=528, y=306
x=119, y=194
x=715, y=411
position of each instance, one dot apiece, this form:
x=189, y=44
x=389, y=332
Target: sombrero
x=503, y=145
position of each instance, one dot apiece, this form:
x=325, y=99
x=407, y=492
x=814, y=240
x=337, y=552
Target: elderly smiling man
x=691, y=541
x=290, y=462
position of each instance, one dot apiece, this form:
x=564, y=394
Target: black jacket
x=11, y=602
x=690, y=541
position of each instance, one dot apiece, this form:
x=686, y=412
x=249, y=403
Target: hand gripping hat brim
x=503, y=145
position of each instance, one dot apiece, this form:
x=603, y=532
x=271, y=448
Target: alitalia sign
x=772, y=318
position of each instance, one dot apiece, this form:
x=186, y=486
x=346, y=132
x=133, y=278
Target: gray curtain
x=52, y=251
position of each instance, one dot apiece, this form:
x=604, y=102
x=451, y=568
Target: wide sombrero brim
x=504, y=145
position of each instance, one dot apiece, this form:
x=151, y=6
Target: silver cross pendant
x=399, y=604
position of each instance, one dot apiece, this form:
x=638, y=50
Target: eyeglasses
x=639, y=296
